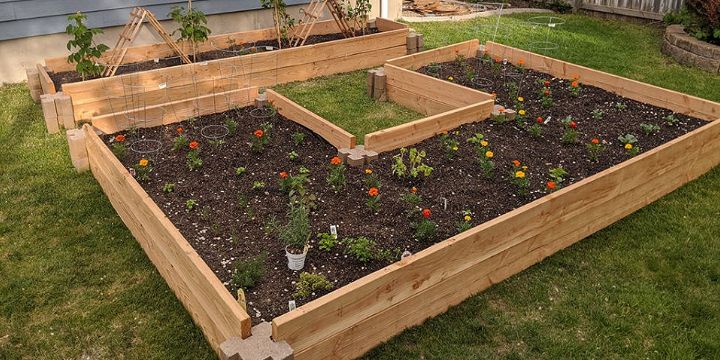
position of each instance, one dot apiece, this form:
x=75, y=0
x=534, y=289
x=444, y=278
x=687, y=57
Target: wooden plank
x=649, y=94
x=415, y=61
x=413, y=132
x=353, y=319
x=623, y=11
x=439, y=90
x=208, y=302
x=46, y=83
x=175, y=111
x=418, y=102
x=327, y=130
x=64, y=108
x=388, y=25
x=47, y=103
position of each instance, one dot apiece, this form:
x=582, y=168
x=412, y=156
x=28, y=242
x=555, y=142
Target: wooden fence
x=647, y=9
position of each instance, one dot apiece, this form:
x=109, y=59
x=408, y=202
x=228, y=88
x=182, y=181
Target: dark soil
x=235, y=50
x=231, y=219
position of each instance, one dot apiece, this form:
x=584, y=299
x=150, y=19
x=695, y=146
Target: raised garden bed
x=513, y=231
x=121, y=93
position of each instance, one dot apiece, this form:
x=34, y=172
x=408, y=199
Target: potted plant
x=295, y=235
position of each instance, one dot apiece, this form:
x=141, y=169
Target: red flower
x=336, y=160
x=373, y=191
x=179, y=130
x=540, y=120
x=547, y=83
x=575, y=84
x=413, y=190
x=595, y=141
x=573, y=124
x=547, y=92
x=283, y=175
x=516, y=163
x=259, y=133
x=120, y=138
x=194, y=145
x=551, y=185
x=426, y=213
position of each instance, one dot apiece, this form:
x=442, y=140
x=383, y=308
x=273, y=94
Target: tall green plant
x=358, y=14
x=86, y=55
x=284, y=23
x=192, y=26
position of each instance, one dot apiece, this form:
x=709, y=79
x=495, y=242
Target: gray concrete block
x=259, y=346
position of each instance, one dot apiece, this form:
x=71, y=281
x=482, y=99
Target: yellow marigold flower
x=524, y=167
x=484, y=143
x=628, y=146
x=519, y=174
x=143, y=162
x=368, y=171
x=521, y=99
x=467, y=218
x=454, y=148
x=450, y=78
x=489, y=154
x=521, y=112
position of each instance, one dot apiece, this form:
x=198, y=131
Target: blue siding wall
x=24, y=18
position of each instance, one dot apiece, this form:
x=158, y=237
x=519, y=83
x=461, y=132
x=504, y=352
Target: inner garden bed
x=232, y=207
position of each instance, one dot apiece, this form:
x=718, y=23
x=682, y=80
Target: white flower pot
x=296, y=261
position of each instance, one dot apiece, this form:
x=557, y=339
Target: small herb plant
x=557, y=177
x=620, y=106
x=361, y=248
x=326, y=242
x=649, y=129
x=293, y=155
x=194, y=161
x=450, y=144
x=168, y=188
x=466, y=222
x=575, y=88
x=536, y=128
x=336, y=174
x=296, y=232
x=248, y=272
x=259, y=140
x=519, y=177
x=290, y=183
x=309, y=284
x=181, y=141
x=484, y=154
x=240, y=170
x=87, y=53
x=231, y=125
x=594, y=148
x=671, y=120
x=628, y=141
x=298, y=138
x=258, y=185
x=570, y=133
x=190, y=204
x=417, y=167
x=373, y=201
x=425, y=229
x=597, y=114
x=192, y=26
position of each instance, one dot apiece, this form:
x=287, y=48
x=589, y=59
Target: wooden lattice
x=311, y=15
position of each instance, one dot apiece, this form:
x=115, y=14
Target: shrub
x=701, y=19
x=310, y=283
x=85, y=58
x=249, y=272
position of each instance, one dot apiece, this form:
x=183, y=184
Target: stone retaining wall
x=688, y=50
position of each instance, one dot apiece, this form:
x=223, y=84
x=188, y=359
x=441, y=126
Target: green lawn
x=75, y=284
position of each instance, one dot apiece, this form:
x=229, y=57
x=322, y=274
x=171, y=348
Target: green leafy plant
x=290, y=183
x=259, y=139
x=142, y=170
x=358, y=14
x=425, y=229
x=671, y=120
x=466, y=222
x=284, y=23
x=296, y=232
x=309, y=284
x=293, y=155
x=629, y=141
x=193, y=159
x=248, y=272
x=597, y=114
x=620, y=106
x=118, y=146
x=545, y=93
x=371, y=179
x=326, y=242
x=168, y=188
x=373, y=200
x=87, y=53
x=192, y=26
x=258, y=185
x=557, y=177
x=537, y=127
x=519, y=177
x=574, y=88
x=450, y=144
x=415, y=159
x=361, y=248
x=649, y=129
x=240, y=170
x=190, y=204
x=231, y=125
x=298, y=138
x=180, y=142
x=484, y=154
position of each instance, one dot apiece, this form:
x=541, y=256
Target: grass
x=342, y=99
x=75, y=284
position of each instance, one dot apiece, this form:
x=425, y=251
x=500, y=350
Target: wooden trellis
x=311, y=15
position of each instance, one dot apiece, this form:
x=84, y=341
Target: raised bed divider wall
x=211, y=306
x=353, y=319
x=104, y=96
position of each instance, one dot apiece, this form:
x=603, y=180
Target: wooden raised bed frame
x=357, y=317
x=105, y=96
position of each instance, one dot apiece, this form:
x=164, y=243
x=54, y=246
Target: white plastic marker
x=162, y=85
x=333, y=231
x=156, y=60
x=405, y=254
x=291, y=305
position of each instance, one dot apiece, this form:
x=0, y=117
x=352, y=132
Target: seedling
x=649, y=129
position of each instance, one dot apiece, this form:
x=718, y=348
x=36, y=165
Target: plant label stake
x=333, y=231
x=405, y=254
x=291, y=305
x=241, y=299
x=162, y=85
x=444, y=203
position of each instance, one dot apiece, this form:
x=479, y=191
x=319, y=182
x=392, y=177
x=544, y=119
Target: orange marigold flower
x=426, y=213
x=413, y=190
x=259, y=133
x=595, y=141
x=501, y=109
x=179, y=130
x=520, y=174
x=373, y=191
x=120, y=138
x=516, y=163
x=144, y=162
x=194, y=145
x=575, y=84
x=336, y=160
x=521, y=62
x=551, y=185
x=283, y=175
